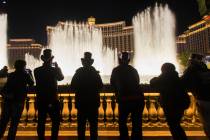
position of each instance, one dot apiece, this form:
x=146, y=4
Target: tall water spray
x=3, y=40
x=70, y=40
x=154, y=39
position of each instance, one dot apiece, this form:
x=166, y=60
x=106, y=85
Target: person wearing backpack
x=87, y=83
x=14, y=94
x=196, y=78
x=173, y=99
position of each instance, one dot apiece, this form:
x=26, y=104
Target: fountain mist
x=70, y=40
x=154, y=39
x=3, y=40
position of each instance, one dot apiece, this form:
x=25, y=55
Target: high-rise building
x=197, y=38
x=181, y=43
x=17, y=48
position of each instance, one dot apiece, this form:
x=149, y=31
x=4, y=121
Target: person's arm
x=113, y=79
x=99, y=81
x=74, y=82
x=29, y=78
x=188, y=78
x=136, y=76
x=59, y=74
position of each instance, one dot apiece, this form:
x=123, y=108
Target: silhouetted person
x=14, y=93
x=87, y=83
x=173, y=99
x=4, y=72
x=125, y=80
x=46, y=78
x=192, y=79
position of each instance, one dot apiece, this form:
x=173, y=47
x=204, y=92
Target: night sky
x=29, y=18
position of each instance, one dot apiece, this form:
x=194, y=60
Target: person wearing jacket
x=173, y=99
x=46, y=78
x=14, y=94
x=125, y=81
x=87, y=84
x=194, y=80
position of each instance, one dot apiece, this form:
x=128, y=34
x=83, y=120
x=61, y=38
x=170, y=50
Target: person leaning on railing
x=173, y=98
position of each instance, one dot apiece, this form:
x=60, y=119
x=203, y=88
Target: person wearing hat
x=87, y=84
x=14, y=94
x=46, y=78
x=192, y=79
x=125, y=81
x=173, y=98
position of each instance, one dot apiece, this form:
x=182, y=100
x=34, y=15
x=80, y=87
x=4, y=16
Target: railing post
x=152, y=112
x=36, y=109
x=70, y=108
x=161, y=116
x=101, y=113
x=116, y=113
x=65, y=111
x=31, y=110
x=113, y=104
x=189, y=113
x=104, y=108
x=74, y=113
x=109, y=112
x=23, y=118
x=145, y=115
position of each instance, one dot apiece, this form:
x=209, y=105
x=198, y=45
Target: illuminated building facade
x=17, y=48
x=197, y=38
x=115, y=35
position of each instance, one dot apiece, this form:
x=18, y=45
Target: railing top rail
x=107, y=88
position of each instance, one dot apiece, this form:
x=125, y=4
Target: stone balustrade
x=153, y=115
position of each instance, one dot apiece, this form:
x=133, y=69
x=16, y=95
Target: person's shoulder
x=38, y=69
x=117, y=68
x=11, y=74
x=132, y=68
x=93, y=69
x=79, y=70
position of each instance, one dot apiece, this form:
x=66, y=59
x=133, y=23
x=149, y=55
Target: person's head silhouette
x=124, y=58
x=196, y=57
x=20, y=65
x=87, y=60
x=47, y=56
x=5, y=68
x=168, y=68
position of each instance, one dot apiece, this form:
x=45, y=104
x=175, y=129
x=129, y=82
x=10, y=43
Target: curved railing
x=153, y=115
